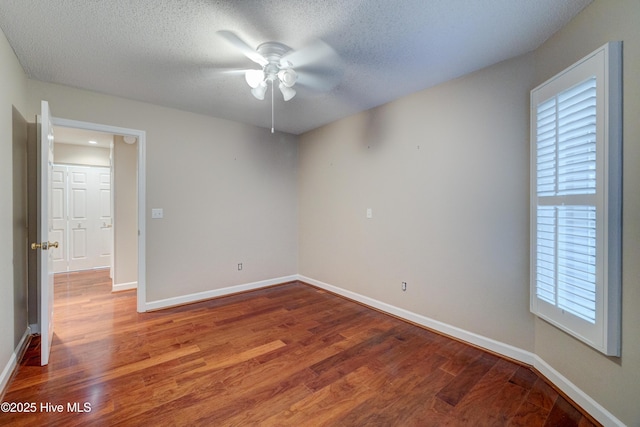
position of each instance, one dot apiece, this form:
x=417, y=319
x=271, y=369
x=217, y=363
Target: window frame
x=606, y=65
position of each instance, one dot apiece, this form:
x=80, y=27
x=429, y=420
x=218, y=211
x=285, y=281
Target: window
x=576, y=181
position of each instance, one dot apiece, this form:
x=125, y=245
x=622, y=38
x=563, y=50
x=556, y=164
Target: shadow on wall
x=20, y=238
x=374, y=128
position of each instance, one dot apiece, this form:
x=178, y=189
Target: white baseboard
x=576, y=394
x=124, y=286
x=7, y=372
x=585, y=401
x=444, y=328
x=187, y=299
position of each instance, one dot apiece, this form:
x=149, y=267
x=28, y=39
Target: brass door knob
x=44, y=245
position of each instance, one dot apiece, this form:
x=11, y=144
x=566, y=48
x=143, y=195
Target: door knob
x=44, y=245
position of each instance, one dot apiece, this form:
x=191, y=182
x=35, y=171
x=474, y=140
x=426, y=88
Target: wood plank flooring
x=286, y=355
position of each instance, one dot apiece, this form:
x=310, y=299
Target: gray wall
x=71, y=154
x=125, y=212
x=446, y=172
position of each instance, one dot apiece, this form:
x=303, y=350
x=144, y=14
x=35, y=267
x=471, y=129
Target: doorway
x=127, y=163
x=82, y=200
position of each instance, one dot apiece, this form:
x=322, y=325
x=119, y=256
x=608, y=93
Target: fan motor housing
x=273, y=51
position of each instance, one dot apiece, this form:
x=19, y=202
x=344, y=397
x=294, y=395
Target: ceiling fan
x=316, y=66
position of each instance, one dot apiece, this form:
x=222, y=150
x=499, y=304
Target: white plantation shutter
x=546, y=147
x=576, y=261
x=566, y=165
x=575, y=200
x=576, y=141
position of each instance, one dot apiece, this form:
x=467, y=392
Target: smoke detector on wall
x=130, y=139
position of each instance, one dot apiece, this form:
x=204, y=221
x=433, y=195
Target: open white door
x=45, y=258
x=112, y=205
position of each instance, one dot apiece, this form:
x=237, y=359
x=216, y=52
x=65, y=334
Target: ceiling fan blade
x=219, y=72
x=317, y=52
x=243, y=47
x=318, y=80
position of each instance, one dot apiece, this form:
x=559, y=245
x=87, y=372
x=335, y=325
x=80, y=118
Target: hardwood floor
x=286, y=355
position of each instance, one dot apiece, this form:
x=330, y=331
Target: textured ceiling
x=167, y=52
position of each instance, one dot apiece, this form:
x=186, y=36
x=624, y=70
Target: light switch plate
x=369, y=213
x=157, y=213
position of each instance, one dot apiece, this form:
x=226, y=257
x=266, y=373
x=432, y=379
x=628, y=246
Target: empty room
x=336, y=213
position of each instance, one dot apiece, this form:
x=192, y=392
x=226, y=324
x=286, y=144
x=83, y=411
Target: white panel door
x=79, y=205
x=90, y=231
x=45, y=256
x=59, y=217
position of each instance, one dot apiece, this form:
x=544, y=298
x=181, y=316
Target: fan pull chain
x=272, y=125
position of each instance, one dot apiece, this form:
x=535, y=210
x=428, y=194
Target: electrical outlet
x=239, y=266
x=404, y=286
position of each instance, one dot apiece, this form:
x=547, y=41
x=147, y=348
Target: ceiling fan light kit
x=287, y=92
x=288, y=76
x=254, y=77
x=274, y=70
x=259, y=91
